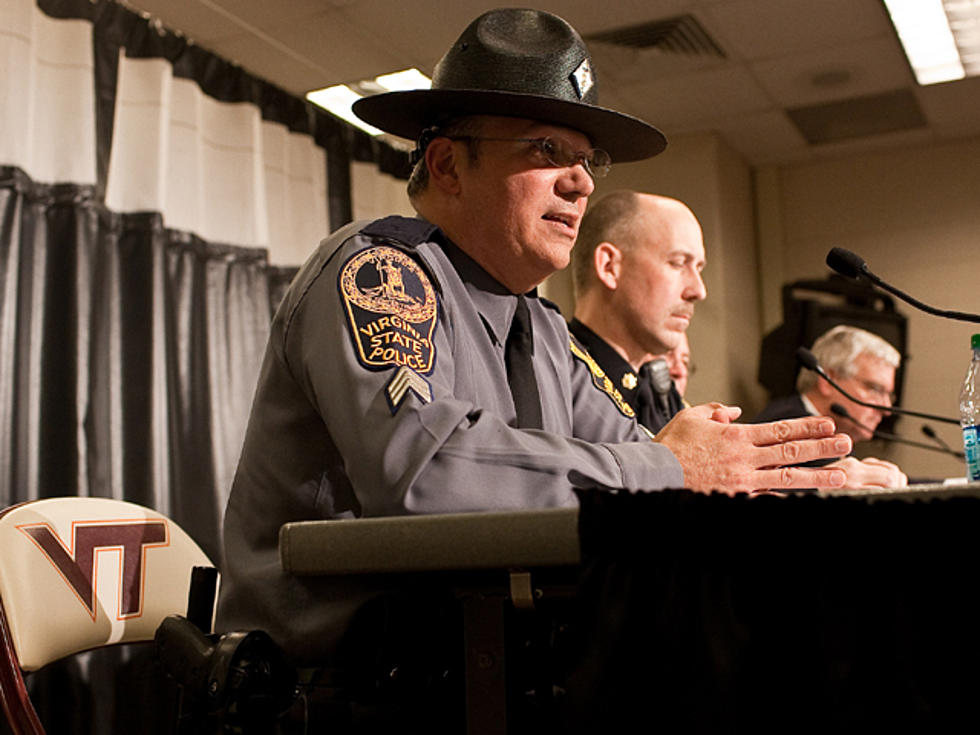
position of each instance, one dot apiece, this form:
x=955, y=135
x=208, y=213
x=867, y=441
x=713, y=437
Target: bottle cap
x=975, y=342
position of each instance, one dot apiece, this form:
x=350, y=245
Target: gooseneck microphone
x=839, y=410
x=931, y=433
x=808, y=360
x=851, y=265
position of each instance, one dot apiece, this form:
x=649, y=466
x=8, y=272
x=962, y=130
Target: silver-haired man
x=864, y=364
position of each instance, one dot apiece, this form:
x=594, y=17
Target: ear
x=824, y=388
x=440, y=157
x=608, y=263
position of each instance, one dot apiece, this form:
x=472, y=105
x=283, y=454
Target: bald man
x=637, y=272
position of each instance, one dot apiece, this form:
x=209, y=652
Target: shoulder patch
x=601, y=380
x=391, y=309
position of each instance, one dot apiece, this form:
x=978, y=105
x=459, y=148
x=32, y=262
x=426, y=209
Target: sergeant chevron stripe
x=405, y=379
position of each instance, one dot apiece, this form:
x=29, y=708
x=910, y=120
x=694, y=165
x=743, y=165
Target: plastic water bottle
x=970, y=412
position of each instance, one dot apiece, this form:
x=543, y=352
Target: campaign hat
x=516, y=62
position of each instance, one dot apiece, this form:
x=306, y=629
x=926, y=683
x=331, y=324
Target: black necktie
x=520, y=371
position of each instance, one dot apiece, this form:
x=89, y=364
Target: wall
x=913, y=214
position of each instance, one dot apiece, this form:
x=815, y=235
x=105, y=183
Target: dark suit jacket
x=789, y=407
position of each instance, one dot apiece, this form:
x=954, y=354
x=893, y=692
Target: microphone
x=839, y=410
x=808, y=360
x=661, y=381
x=852, y=266
x=931, y=433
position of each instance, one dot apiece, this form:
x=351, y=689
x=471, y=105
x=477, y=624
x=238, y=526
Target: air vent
x=682, y=35
x=859, y=117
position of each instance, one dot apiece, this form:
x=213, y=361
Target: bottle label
x=971, y=434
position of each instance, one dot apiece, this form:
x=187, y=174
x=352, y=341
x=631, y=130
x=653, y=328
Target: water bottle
x=970, y=412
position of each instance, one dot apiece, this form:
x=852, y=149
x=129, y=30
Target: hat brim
x=406, y=114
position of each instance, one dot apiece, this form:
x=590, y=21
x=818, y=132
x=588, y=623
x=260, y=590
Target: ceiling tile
x=943, y=104
x=195, y=20
x=829, y=74
x=760, y=29
x=696, y=98
x=761, y=138
x=859, y=117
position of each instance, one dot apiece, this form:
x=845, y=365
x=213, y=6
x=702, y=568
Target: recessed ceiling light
x=941, y=38
x=339, y=98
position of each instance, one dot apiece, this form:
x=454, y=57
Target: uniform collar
x=495, y=303
x=620, y=372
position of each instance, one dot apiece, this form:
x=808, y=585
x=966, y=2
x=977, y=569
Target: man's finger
x=726, y=414
x=802, y=477
x=798, y=452
x=774, y=432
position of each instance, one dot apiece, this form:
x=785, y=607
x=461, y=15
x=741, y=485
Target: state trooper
x=411, y=367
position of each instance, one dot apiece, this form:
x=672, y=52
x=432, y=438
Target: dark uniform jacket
x=382, y=392
x=637, y=389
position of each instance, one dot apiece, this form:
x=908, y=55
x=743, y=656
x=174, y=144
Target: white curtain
x=213, y=168
x=47, y=98
x=376, y=195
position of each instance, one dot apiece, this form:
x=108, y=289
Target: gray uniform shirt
x=383, y=391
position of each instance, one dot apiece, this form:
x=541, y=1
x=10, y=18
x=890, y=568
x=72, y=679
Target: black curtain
x=128, y=354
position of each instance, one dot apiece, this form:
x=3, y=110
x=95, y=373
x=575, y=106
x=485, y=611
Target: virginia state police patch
x=391, y=306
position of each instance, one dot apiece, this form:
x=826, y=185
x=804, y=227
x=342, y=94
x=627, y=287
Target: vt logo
x=78, y=561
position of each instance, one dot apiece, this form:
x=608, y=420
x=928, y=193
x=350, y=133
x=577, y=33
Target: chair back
x=83, y=573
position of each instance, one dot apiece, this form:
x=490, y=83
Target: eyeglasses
x=558, y=153
x=875, y=389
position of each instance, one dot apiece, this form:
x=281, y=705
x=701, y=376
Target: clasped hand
x=717, y=454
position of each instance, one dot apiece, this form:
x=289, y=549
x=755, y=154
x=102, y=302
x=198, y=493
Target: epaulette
x=599, y=378
x=410, y=231
x=550, y=304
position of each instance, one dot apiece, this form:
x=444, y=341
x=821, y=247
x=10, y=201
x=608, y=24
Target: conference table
x=694, y=612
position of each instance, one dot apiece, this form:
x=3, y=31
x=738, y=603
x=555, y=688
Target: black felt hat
x=518, y=63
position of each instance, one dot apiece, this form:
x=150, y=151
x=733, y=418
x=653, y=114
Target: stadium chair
x=78, y=574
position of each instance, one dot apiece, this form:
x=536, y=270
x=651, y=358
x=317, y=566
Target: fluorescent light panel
x=941, y=37
x=339, y=98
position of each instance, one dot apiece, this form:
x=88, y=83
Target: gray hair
x=837, y=349
x=418, y=182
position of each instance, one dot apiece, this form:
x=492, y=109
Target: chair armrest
x=444, y=542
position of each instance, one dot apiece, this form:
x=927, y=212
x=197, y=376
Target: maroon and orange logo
x=77, y=564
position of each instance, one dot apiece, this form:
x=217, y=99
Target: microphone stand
x=839, y=410
x=850, y=265
x=809, y=361
x=931, y=433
